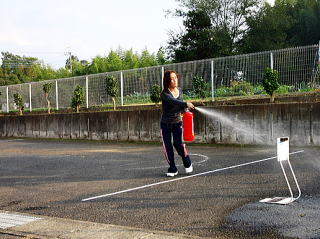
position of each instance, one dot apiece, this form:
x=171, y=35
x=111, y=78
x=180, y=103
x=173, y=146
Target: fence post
x=162, y=75
x=7, y=94
x=30, y=105
x=212, y=82
x=121, y=87
x=319, y=52
x=271, y=60
x=57, y=101
x=87, y=91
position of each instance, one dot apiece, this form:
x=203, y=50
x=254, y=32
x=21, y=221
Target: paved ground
x=51, y=178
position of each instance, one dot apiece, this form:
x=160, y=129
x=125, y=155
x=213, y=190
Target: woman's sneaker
x=172, y=174
x=189, y=170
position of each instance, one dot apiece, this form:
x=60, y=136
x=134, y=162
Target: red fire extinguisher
x=187, y=126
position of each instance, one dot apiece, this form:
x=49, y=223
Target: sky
x=48, y=29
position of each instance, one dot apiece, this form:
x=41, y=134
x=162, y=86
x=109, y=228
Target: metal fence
x=298, y=67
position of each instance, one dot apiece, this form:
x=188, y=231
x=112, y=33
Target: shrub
x=46, y=89
x=112, y=89
x=200, y=87
x=222, y=92
x=258, y=90
x=18, y=101
x=78, y=98
x=283, y=89
x=270, y=82
x=241, y=88
x=155, y=93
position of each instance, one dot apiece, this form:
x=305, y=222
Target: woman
x=171, y=123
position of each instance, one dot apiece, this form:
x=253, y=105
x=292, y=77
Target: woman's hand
x=190, y=105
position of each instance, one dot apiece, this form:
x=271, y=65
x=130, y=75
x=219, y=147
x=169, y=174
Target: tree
x=155, y=94
x=268, y=29
x=19, y=102
x=78, y=98
x=46, y=89
x=15, y=66
x=286, y=24
x=147, y=59
x=196, y=42
x=130, y=60
x=113, y=61
x=306, y=15
x=227, y=20
x=161, y=57
x=270, y=82
x=69, y=62
x=112, y=89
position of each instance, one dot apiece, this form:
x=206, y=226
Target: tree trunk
x=49, y=107
x=272, y=98
x=49, y=111
x=114, y=103
x=20, y=111
x=78, y=107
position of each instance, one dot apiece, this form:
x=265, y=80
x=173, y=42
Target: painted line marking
x=206, y=158
x=190, y=176
x=11, y=140
x=11, y=220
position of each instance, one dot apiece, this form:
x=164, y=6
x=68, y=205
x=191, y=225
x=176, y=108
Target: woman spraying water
x=171, y=123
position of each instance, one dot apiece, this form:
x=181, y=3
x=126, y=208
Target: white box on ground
x=283, y=149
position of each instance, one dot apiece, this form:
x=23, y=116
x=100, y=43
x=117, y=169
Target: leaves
x=18, y=101
x=155, y=93
x=200, y=87
x=78, y=98
x=47, y=87
x=111, y=86
x=270, y=81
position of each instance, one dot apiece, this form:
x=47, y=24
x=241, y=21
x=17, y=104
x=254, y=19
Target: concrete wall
x=251, y=124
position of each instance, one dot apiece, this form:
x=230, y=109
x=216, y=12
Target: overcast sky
x=46, y=29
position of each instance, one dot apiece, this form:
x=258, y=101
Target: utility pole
x=68, y=53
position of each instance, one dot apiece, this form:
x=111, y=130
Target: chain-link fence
x=298, y=69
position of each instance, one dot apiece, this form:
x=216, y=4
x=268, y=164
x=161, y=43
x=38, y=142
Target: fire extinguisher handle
x=190, y=105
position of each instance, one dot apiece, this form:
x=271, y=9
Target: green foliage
x=16, y=69
x=273, y=20
x=200, y=87
x=155, y=93
x=288, y=23
x=47, y=87
x=270, y=81
x=283, y=89
x=196, y=42
x=258, y=90
x=78, y=98
x=241, y=88
x=212, y=28
x=111, y=86
x=147, y=59
x=18, y=101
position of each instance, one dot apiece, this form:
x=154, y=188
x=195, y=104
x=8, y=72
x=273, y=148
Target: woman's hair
x=167, y=79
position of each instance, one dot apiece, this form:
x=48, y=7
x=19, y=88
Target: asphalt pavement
x=50, y=178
